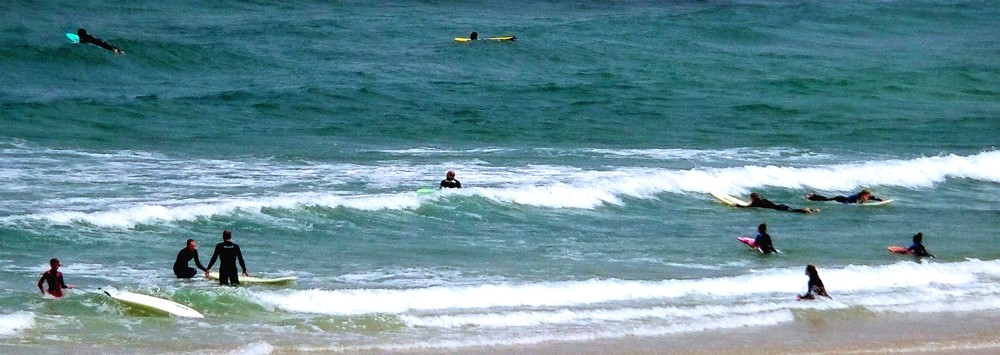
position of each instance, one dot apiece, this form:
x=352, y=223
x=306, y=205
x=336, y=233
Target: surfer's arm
x=41, y=281
x=211, y=262
x=239, y=256
x=198, y=262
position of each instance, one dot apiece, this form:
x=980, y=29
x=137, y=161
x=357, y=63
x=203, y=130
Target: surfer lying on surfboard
x=55, y=280
x=860, y=197
x=756, y=201
x=87, y=38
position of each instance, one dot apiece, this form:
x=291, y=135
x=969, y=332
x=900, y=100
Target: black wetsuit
x=451, y=184
x=56, y=283
x=815, y=288
x=765, y=203
x=87, y=38
x=855, y=198
x=228, y=253
x=181, y=268
x=919, y=250
x=763, y=242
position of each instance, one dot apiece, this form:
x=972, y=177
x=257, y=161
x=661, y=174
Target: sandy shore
x=810, y=333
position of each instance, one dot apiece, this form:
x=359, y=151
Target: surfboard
x=153, y=303
x=729, y=199
x=748, y=241
x=898, y=249
x=73, y=37
x=424, y=190
x=875, y=203
x=258, y=280
x=498, y=38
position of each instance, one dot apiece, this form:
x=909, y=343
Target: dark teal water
x=587, y=149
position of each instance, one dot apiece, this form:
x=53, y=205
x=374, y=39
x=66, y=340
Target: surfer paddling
x=859, y=198
x=756, y=201
x=87, y=38
x=55, y=280
x=228, y=253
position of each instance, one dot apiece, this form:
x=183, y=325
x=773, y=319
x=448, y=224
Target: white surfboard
x=876, y=203
x=153, y=303
x=729, y=199
x=259, y=280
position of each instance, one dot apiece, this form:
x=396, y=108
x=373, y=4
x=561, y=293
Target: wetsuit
x=56, y=283
x=919, y=250
x=181, y=268
x=87, y=38
x=855, y=198
x=228, y=253
x=763, y=242
x=815, y=288
x=451, y=184
x=765, y=203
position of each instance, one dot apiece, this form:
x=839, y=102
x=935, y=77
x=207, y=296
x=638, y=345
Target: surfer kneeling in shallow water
x=55, y=280
x=860, y=197
x=815, y=286
x=87, y=38
x=756, y=201
x=181, y=268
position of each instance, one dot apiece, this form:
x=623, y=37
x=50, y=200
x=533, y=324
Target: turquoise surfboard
x=73, y=37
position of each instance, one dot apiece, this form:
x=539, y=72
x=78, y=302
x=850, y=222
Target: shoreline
x=809, y=333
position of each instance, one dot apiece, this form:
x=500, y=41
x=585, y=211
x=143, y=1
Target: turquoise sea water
x=587, y=149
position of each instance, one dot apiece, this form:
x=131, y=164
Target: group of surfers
x=762, y=241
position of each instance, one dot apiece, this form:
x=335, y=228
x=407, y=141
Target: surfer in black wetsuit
x=860, y=197
x=181, y=268
x=449, y=181
x=87, y=38
x=763, y=240
x=228, y=253
x=918, y=247
x=815, y=286
x=474, y=36
x=54, y=278
x=756, y=201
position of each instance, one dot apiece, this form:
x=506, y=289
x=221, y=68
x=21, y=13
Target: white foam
x=857, y=283
x=255, y=348
x=13, y=323
x=180, y=187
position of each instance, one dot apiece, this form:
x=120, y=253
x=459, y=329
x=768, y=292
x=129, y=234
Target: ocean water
x=587, y=149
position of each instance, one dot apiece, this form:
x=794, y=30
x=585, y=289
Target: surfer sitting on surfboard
x=756, y=201
x=87, y=38
x=449, y=178
x=815, y=286
x=918, y=247
x=860, y=197
x=763, y=240
x=55, y=280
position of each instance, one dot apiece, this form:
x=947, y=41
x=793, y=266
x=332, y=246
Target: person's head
x=918, y=238
x=450, y=174
x=865, y=194
x=762, y=228
x=754, y=196
x=474, y=35
x=227, y=235
x=54, y=263
x=191, y=244
x=811, y=270
x=80, y=32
